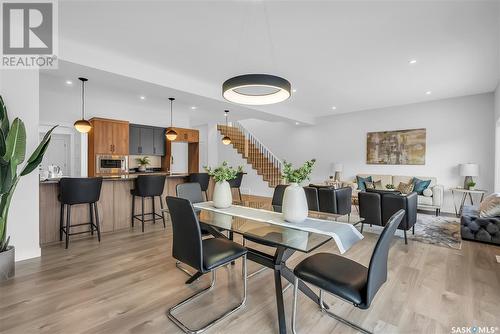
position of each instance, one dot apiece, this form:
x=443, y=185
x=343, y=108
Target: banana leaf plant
x=12, y=155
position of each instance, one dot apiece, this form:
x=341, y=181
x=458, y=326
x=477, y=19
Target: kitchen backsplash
x=155, y=161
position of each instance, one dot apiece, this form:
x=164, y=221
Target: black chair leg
x=162, y=213
x=91, y=216
x=362, y=224
x=406, y=240
x=206, y=195
x=133, y=210
x=239, y=192
x=68, y=221
x=97, y=224
x=413, y=230
x=61, y=222
x=142, y=213
x=154, y=210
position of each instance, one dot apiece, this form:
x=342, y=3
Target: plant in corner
x=390, y=187
x=295, y=208
x=222, y=196
x=12, y=155
x=143, y=163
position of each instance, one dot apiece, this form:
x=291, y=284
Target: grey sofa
x=476, y=228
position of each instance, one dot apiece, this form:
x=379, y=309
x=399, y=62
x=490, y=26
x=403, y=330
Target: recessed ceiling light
x=428, y=92
x=412, y=61
x=294, y=90
x=297, y=123
x=142, y=97
x=69, y=82
x=334, y=107
x=194, y=107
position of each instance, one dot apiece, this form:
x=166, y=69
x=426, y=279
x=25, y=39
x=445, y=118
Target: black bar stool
x=73, y=191
x=203, y=179
x=148, y=186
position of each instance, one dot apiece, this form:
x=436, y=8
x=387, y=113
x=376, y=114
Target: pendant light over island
x=226, y=140
x=171, y=134
x=82, y=125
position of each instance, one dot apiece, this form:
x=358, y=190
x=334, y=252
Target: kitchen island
x=115, y=205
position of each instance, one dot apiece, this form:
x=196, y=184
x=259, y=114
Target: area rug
x=429, y=229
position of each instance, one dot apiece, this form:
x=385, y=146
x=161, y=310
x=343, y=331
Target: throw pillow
x=361, y=182
x=405, y=188
x=378, y=185
x=427, y=192
x=369, y=185
x=490, y=206
x=420, y=185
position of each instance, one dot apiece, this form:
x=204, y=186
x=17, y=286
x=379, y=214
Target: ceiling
x=353, y=55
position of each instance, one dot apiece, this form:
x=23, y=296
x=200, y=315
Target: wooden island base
x=115, y=207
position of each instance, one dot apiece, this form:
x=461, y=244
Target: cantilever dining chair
x=204, y=255
x=345, y=278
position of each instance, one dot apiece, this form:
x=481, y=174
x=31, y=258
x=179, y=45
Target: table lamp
x=468, y=171
x=337, y=169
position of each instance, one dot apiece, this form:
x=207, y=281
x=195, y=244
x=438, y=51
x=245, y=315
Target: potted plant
x=143, y=163
x=471, y=185
x=222, y=196
x=12, y=154
x=390, y=187
x=295, y=208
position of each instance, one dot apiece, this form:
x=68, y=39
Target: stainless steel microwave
x=111, y=164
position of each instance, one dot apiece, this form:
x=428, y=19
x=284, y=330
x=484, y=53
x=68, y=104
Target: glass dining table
x=285, y=240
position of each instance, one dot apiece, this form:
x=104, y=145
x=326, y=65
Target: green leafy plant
x=144, y=161
x=300, y=174
x=390, y=186
x=13, y=154
x=471, y=184
x=223, y=172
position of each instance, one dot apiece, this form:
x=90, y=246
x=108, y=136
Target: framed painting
x=400, y=147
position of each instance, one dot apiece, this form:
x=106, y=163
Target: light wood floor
x=126, y=283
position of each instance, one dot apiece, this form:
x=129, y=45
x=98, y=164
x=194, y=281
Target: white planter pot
x=295, y=208
x=222, y=196
x=7, y=264
x=142, y=168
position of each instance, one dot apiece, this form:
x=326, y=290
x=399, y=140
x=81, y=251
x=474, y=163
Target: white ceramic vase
x=222, y=196
x=295, y=208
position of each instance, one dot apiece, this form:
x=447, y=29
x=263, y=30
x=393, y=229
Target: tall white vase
x=295, y=208
x=222, y=197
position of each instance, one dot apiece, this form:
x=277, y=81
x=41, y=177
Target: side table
x=465, y=193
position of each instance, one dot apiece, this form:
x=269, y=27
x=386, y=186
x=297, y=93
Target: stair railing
x=263, y=149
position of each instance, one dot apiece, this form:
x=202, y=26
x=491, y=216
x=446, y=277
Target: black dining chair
x=345, y=278
x=74, y=191
x=148, y=186
x=236, y=183
x=193, y=193
x=203, y=179
x=277, y=201
x=312, y=198
x=204, y=255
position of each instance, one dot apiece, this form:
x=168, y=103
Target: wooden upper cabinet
x=186, y=135
x=109, y=136
x=103, y=136
x=120, y=138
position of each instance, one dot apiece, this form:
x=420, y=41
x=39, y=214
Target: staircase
x=262, y=160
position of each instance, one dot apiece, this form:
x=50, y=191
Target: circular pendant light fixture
x=226, y=140
x=171, y=134
x=256, y=89
x=82, y=125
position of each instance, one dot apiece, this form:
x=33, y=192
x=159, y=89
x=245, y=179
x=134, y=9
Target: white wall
x=19, y=89
x=458, y=130
x=61, y=104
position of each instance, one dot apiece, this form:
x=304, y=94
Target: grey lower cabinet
x=146, y=140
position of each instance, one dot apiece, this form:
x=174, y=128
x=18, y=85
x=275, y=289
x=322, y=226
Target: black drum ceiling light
x=256, y=89
x=171, y=134
x=82, y=125
x=226, y=140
